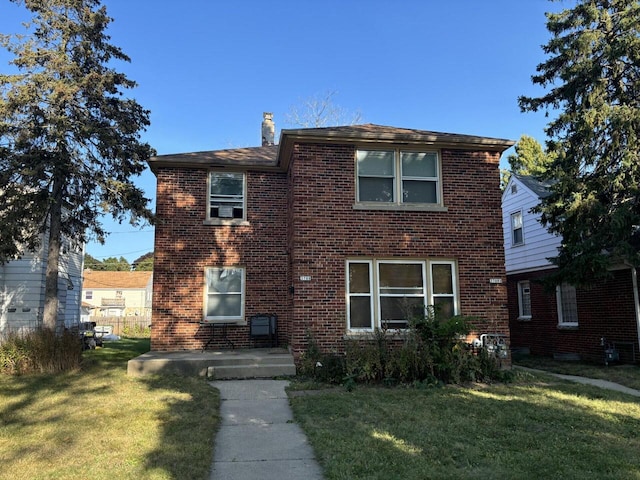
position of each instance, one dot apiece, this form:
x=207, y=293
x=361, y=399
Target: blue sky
x=208, y=69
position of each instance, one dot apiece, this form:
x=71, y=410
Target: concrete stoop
x=226, y=364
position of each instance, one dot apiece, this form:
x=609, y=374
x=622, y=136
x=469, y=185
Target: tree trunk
x=50, y=316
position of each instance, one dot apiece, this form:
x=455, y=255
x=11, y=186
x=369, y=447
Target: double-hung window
x=224, y=294
x=567, y=303
x=387, y=293
x=524, y=300
x=227, y=195
x=517, y=237
x=398, y=177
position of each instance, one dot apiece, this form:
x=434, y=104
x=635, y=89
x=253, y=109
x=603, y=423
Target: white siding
x=538, y=244
x=22, y=286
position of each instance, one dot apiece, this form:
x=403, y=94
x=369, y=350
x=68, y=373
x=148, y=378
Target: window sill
x=235, y=323
x=524, y=319
x=567, y=326
x=220, y=221
x=371, y=335
x=400, y=207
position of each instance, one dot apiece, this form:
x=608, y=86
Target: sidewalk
x=588, y=381
x=257, y=437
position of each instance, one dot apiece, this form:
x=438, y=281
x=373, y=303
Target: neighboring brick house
x=335, y=230
x=117, y=294
x=568, y=322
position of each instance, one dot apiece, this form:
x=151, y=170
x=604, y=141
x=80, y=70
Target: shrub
x=39, y=351
x=430, y=352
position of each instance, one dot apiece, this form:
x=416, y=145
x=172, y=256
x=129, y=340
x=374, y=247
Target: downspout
x=636, y=298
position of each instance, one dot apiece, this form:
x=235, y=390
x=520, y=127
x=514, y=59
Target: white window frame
x=210, y=198
x=375, y=294
x=562, y=322
x=379, y=295
x=515, y=215
x=224, y=318
x=522, y=286
x=399, y=178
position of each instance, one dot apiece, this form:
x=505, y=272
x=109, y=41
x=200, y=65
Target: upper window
x=524, y=300
x=386, y=293
x=88, y=294
x=227, y=195
x=567, y=305
x=224, y=294
x=398, y=177
x=517, y=237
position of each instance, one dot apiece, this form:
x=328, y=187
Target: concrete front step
x=253, y=363
x=226, y=372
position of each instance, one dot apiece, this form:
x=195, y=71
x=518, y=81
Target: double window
x=224, y=294
x=386, y=293
x=397, y=177
x=227, y=195
x=567, y=303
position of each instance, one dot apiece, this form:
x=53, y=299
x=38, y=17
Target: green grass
x=627, y=375
x=99, y=423
x=538, y=427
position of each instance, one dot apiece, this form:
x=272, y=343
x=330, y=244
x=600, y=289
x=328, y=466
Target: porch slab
x=241, y=363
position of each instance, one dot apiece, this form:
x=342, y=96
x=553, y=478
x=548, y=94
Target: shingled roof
x=276, y=157
x=94, y=280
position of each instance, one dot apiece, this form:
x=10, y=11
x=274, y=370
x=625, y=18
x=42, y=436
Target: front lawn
x=538, y=427
x=98, y=423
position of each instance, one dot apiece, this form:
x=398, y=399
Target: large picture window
x=226, y=196
x=386, y=293
x=224, y=294
x=397, y=177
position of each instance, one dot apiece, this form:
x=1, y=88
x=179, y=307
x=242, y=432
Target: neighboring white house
x=527, y=243
x=117, y=294
x=22, y=289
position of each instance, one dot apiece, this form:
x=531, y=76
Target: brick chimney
x=268, y=129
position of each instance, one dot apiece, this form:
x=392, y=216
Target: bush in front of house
x=39, y=351
x=431, y=351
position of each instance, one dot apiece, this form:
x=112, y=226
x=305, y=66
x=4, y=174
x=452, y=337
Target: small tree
x=320, y=111
x=593, y=81
x=69, y=138
x=529, y=159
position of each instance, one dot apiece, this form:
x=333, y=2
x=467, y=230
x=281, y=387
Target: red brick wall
x=327, y=231
x=184, y=246
x=303, y=223
x=605, y=310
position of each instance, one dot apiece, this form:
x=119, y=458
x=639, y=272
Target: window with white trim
x=224, y=294
x=567, y=305
x=524, y=300
x=227, y=195
x=88, y=294
x=386, y=293
x=398, y=177
x=517, y=233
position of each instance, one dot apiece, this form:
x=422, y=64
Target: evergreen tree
x=529, y=159
x=592, y=83
x=69, y=138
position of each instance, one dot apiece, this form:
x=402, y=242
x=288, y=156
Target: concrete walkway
x=257, y=437
x=588, y=381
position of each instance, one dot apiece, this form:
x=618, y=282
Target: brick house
x=568, y=322
x=315, y=231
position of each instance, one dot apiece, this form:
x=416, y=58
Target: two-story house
x=565, y=322
x=338, y=231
